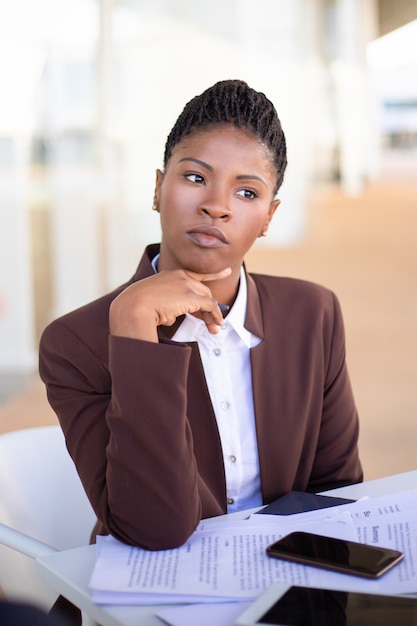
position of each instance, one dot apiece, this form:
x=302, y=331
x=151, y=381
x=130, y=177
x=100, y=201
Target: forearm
x=150, y=450
x=127, y=433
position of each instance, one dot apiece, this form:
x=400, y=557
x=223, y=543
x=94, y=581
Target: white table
x=69, y=571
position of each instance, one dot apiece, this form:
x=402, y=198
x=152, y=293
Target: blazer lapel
x=266, y=380
x=207, y=445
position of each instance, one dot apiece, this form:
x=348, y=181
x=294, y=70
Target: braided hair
x=233, y=102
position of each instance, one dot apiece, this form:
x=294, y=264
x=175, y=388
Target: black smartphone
x=300, y=502
x=348, y=557
x=301, y=606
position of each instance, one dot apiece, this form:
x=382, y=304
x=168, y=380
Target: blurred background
x=89, y=92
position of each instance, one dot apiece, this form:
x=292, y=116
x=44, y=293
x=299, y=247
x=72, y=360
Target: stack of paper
x=226, y=560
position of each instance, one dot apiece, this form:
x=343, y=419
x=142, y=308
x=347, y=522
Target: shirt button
x=225, y=405
x=230, y=501
x=232, y=458
x=217, y=351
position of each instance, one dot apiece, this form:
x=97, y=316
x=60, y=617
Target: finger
x=213, y=315
x=205, y=278
x=213, y=324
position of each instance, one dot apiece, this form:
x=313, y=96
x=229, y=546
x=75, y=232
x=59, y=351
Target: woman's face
x=215, y=198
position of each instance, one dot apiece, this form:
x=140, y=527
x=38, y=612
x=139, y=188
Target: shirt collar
x=236, y=315
x=154, y=263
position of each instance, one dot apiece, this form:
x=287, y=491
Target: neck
x=225, y=290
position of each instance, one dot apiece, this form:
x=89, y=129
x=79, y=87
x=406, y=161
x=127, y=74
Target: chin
x=202, y=268
x=205, y=263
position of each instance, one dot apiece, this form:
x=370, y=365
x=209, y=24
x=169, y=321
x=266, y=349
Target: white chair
x=42, y=497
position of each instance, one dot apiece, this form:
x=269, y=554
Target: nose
x=216, y=206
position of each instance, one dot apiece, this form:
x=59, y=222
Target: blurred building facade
x=91, y=94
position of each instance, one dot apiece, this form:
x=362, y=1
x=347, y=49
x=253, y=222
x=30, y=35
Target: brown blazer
x=140, y=426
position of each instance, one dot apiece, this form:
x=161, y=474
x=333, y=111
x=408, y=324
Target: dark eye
x=194, y=178
x=247, y=193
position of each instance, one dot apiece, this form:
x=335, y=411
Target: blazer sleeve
x=131, y=442
x=336, y=459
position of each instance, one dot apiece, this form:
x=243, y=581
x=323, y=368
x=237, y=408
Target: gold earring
x=154, y=207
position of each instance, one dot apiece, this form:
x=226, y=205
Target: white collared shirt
x=227, y=368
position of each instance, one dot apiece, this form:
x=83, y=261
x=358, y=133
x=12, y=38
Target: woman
x=196, y=388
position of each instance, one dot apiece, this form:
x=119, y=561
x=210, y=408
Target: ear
x=271, y=211
x=157, y=191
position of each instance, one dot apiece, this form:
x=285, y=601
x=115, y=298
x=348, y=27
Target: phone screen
x=301, y=501
x=301, y=606
x=337, y=554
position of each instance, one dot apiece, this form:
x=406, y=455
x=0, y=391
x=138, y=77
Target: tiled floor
x=365, y=249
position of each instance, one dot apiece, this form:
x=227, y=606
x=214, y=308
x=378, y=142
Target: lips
x=207, y=236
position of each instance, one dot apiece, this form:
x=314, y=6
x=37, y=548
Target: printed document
x=225, y=560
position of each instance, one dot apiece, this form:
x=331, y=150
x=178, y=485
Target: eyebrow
x=211, y=169
x=251, y=177
x=202, y=163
